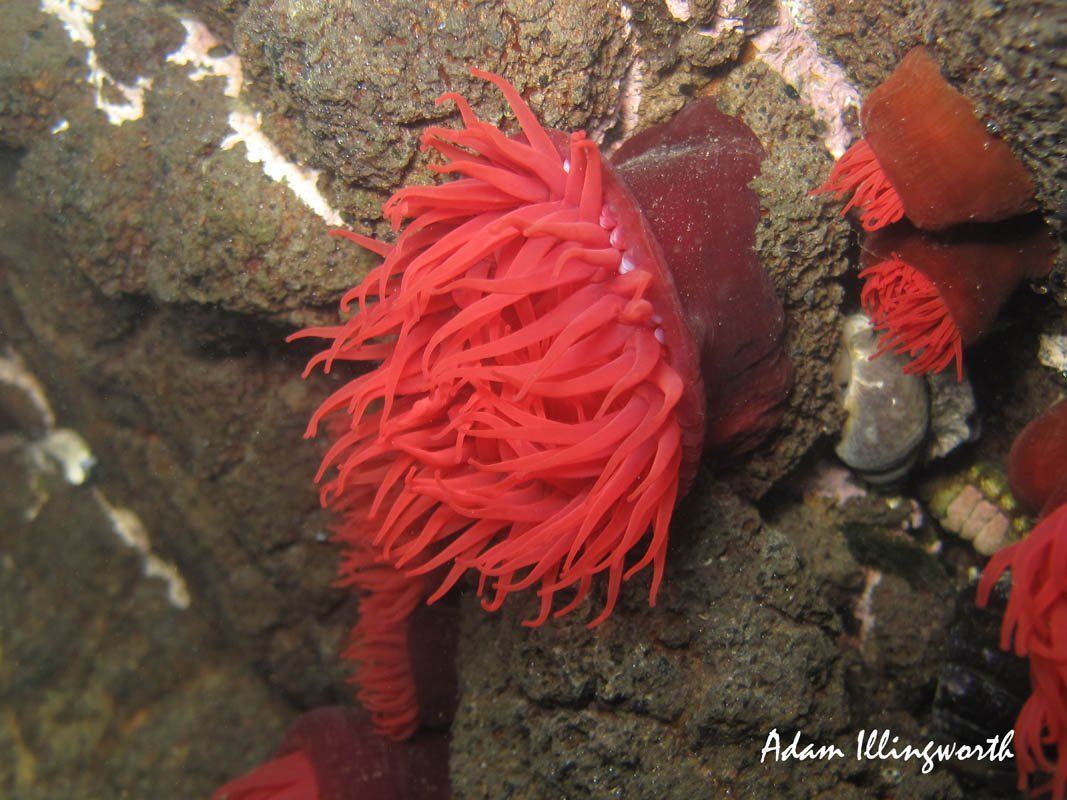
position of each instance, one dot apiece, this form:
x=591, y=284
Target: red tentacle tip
x=381, y=248
x=287, y=777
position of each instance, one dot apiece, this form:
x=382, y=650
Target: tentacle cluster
x=379, y=641
x=859, y=172
x=521, y=422
x=905, y=305
x=1035, y=623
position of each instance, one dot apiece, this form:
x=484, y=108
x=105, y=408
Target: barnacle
x=976, y=504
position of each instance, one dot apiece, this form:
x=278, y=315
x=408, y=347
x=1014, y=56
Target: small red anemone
x=927, y=155
x=334, y=754
x=1035, y=622
x=931, y=295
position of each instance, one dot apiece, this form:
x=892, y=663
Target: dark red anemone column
x=1037, y=465
x=926, y=154
x=933, y=294
x=691, y=178
x=334, y=753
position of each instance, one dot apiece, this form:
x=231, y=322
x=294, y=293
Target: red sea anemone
x=537, y=407
x=1035, y=621
x=925, y=154
x=1037, y=464
x=931, y=295
x=334, y=754
x=934, y=285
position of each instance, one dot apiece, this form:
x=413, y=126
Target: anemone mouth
x=1035, y=625
x=859, y=172
x=914, y=320
x=525, y=420
x=287, y=777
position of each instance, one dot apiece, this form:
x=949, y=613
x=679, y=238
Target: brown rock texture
x=110, y=685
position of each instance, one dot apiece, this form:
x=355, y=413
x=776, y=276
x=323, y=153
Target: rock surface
x=109, y=687
x=755, y=631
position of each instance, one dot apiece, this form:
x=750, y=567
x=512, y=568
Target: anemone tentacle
x=1035, y=625
x=859, y=172
x=906, y=307
x=290, y=776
